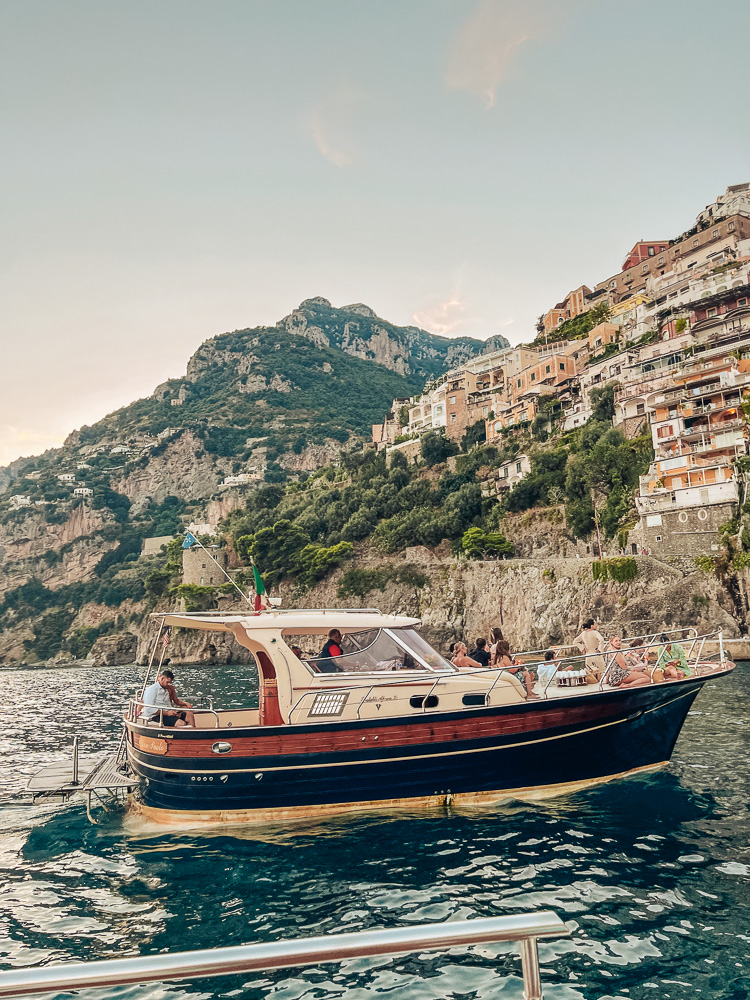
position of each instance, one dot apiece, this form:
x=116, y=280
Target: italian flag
x=261, y=601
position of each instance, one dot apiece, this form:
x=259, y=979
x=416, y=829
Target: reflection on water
x=651, y=874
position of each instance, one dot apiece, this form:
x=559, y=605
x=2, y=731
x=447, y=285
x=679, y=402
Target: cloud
x=484, y=48
x=329, y=122
x=446, y=317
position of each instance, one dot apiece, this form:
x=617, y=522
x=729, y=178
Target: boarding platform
x=104, y=775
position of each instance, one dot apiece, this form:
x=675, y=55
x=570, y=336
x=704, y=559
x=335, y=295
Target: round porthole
x=682, y=516
x=221, y=747
x=702, y=515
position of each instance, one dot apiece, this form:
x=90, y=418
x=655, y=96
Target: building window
x=661, y=261
x=695, y=242
x=519, y=383
x=485, y=410
x=518, y=466
x=711, y=313
x=658, y=538
x=613, y=284
x=644, y=269
x=714, y=234
x=730, y=227
x=651, y=251
x=640, y=408
x=547, y=370
x=452, y=400
x=533, y=376
x=562, y=366
x=741, y=302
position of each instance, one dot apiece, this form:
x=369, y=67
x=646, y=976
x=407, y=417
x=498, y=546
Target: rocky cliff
x=537, y=602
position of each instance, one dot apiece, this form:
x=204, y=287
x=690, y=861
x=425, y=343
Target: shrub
x=359, y=582
x=196, y=598
x=706, y=564
x=620, y=569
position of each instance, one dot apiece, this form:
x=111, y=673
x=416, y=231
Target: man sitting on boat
x=160, y=700
x=673, y=660
x=325, y=662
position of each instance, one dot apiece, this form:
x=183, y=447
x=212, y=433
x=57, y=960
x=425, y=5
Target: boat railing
x=251, y=613
x=601, y=661
x=524, y=928
x=133, y=712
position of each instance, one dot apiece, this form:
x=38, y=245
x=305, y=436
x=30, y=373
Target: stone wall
x=692, y=531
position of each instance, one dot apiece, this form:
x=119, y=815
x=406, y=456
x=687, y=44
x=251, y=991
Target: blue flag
x=190, y=539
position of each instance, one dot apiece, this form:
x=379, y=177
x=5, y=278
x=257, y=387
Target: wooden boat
x=391, y=722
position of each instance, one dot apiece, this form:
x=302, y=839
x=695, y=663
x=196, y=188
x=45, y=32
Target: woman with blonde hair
x=462, y=659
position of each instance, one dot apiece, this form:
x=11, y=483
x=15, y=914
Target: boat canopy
x=303, y=621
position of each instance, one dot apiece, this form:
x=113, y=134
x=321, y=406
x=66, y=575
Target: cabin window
x=376, y=651
x=474, y=699
x=419, y=701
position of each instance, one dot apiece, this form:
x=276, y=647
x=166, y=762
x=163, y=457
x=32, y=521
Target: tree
x=475, y=434
x=478, y=544
x=436, y=448
x=275, y=550
x=603, y=402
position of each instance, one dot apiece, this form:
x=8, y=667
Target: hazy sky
x=172, y=169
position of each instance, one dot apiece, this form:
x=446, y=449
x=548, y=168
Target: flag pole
x=195, y=541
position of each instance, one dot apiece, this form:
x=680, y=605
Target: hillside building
x=734, y=201
x=506, y=477
x=694, y=250
x=198, y=568
x=642, y=251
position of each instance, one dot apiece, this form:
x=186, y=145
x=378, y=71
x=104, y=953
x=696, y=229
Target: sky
x=172, y=169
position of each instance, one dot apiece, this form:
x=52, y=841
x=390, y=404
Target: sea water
x=651, y=874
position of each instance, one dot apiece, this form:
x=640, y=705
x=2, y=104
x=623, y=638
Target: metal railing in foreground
x=524, y=928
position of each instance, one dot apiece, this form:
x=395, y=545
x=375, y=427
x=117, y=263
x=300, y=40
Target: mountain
x=272, y=403
x=320, y=375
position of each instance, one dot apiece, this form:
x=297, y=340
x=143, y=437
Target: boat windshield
x=381, y=650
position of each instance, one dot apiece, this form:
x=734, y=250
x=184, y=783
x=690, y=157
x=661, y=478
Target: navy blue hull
x=613, y=733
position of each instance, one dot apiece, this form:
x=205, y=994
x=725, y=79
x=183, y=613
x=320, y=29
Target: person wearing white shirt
x=160, y=700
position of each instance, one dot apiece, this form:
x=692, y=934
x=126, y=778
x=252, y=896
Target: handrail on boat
x=525, y=928
x=133, y=716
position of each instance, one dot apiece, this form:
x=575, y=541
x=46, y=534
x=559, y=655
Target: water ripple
x=650, y=874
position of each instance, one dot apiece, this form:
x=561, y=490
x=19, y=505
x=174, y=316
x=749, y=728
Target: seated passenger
x=504, y=660
x=159, y=700
x=637, y=657
x=480, y=653
x=673, y=661
x=619, y=673
x=546, y=671
x=325, y=663
x=461, y=657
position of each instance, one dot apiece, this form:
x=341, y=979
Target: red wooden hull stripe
x=434, y=731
